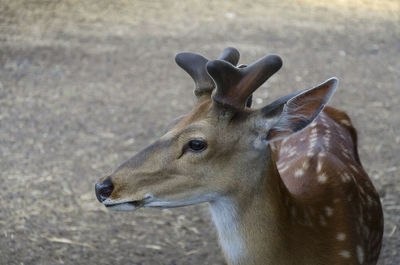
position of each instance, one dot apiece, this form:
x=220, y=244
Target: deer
x=284, y=183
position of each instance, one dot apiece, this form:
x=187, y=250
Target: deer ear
x=293, y=113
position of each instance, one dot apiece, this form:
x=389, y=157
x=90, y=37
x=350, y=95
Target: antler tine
x=235, y=85
x=231, y=55
x=195, y=65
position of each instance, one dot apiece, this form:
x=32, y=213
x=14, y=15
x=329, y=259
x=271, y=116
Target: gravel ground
x=83, y=86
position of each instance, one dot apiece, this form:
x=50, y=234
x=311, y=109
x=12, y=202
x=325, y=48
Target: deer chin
x=151, y=201
x=127, y=204
x=124, y=206
x=174, y=203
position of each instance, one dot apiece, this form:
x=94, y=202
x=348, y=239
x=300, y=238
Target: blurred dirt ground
x=85, y=85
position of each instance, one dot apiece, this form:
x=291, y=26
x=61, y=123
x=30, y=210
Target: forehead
x=199, y=111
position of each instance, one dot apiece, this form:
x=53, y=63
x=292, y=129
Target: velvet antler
x=195, y=65
x=235, y=85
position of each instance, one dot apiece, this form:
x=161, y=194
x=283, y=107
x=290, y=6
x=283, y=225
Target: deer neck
x=252, y=225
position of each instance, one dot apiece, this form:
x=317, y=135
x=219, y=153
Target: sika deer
x=284, y=183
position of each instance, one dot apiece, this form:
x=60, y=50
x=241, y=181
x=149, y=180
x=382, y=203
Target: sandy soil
x=83, y=86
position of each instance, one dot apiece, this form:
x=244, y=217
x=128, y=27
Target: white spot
x=341, y=236
x=322, y=178
x=354, y=168
x=345, y=254
x=370, y=200
x=314, y=123
x=345, y=122
x=225, y=217
x=328, y=211
x=353, y=178
x=344, y=148
x=321, y=154
x=346, y=177
x=273, y=147
x=313, y=140
x=368, y=184
x=360, y=254
x=283, y=169
x=326, y=140
x=360, y=188
x=292, y=151
x=319, y=166
x=306, y=164
x=284, y=149
x=299, y=172
x=336, y=125
x=259, y=143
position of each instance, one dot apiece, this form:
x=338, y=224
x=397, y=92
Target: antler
x=235, y=85
x=195, y=65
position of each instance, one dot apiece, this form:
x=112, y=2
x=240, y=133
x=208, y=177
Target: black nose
x=104, y=190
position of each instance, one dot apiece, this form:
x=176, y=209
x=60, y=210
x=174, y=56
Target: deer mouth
x=126, y=205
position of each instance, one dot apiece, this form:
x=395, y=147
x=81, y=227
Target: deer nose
x=104, y=190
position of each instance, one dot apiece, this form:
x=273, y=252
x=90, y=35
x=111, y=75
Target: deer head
x=221, y=148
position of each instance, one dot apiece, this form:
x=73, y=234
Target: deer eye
x=197, y=146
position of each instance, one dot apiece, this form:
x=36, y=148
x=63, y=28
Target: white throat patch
x=226, y=220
